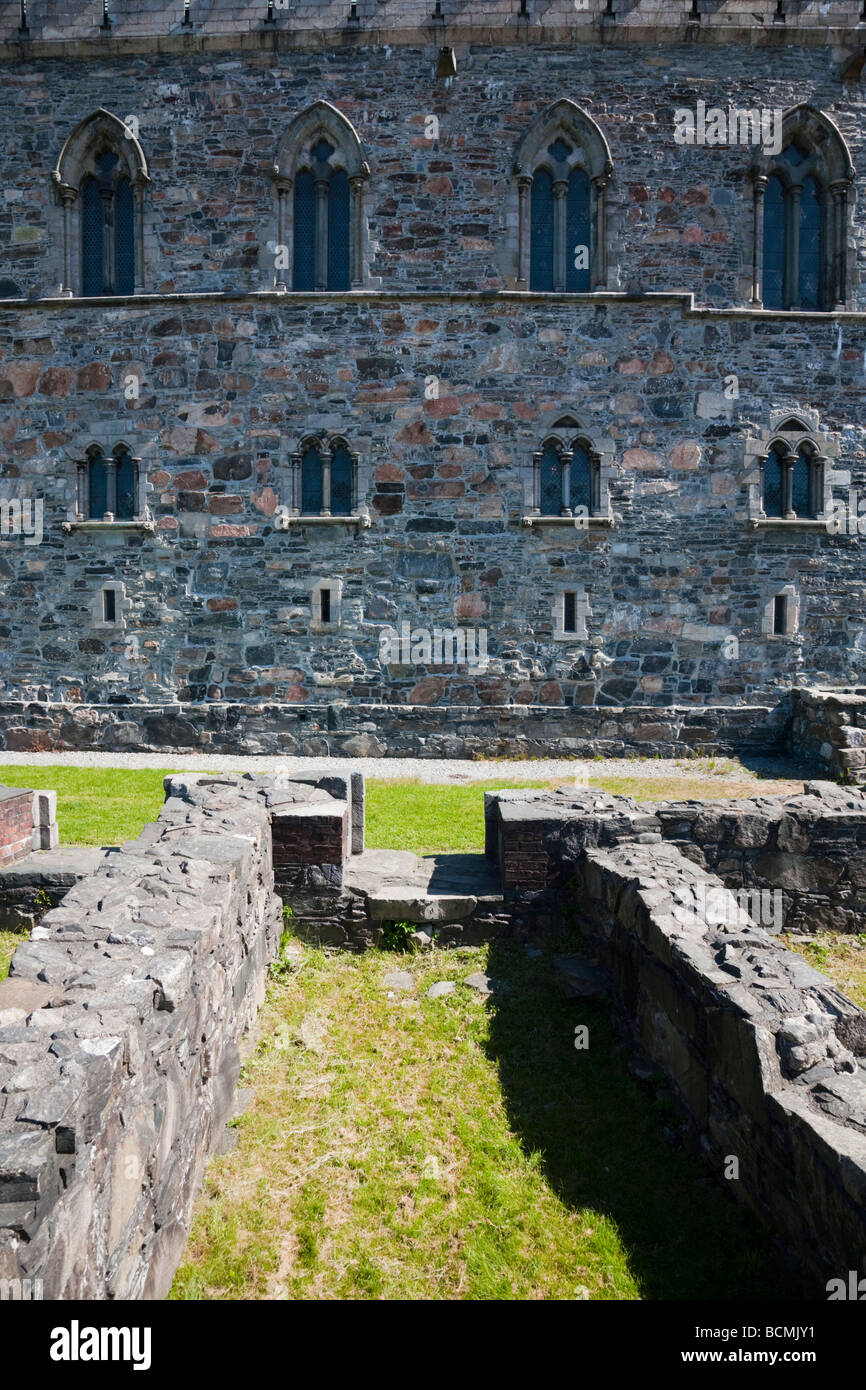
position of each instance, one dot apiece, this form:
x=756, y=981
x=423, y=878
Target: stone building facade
x=331, y=326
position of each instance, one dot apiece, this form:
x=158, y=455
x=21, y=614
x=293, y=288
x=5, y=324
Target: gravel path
x=426, y=769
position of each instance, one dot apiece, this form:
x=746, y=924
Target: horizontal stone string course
x=120, y=1026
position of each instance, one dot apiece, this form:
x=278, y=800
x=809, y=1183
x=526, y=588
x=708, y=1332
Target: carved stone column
x=759, y=184
x=282, y=274
x=356, y=232
x=598, y=222
x=788, y=463
x=524, y=186
x=565, y=464
x=138, y=233
x=111, y=488
x=326, y=483
x=560, y=190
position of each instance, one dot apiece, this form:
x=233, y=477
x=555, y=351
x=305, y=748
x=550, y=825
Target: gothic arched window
x=801, y=216
x=109, y=484
x=567, y=476
x=328, y=473
x=100, y=180
x=319, y=176
x=562, y=168
x=793, y=480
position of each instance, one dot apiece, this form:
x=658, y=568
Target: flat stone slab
x=486, y=984
x=54, y=867
x=441, y=989
x=398, y=979
x=402, y=887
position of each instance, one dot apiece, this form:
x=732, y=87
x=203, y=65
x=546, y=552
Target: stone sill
x=579, y=523
x=781, y=523
x=287, y=522
x=147, y=528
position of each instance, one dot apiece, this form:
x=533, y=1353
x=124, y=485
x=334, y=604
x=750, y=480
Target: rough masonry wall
x=767, y=1058
x=216, y=605
x=119, y=1031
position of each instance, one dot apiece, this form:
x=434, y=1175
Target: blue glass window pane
x=551, y=482
x=581, y=479
x=304, y=259
x=338, y=231
x=774, y=244
x=341, y=481
x=773, y=484
x=125, y=476
x=124, y=238
x=577, y=233
x=311, y=483
x=811, y=227
x=541, y=232
x=91, y=238
x=801, y=499
x=98, y=489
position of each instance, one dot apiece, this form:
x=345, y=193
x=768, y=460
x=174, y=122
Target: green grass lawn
x=95, y=806
x=406, y=1148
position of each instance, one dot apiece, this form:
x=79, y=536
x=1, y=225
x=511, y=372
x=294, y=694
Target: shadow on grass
x=601, y=1134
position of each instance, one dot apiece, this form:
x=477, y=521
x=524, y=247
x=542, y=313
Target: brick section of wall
x=314, y=835
x=16, y=824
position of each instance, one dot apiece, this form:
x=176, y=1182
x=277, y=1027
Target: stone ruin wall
x=767, y=1059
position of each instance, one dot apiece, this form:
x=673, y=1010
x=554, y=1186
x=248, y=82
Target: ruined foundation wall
x=766, y=1057
x=119, y=1032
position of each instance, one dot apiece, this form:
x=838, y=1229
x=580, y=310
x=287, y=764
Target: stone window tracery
x=100, y=180
x=562, y=168
x=800, y=216
x=319, y=176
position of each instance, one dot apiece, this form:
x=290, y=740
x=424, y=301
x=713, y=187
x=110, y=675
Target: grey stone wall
x=215, y=605
x=119, y=1032
x=767, y=1059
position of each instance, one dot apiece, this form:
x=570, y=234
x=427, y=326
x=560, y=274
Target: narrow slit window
x=325, y=605
x=569, y=612
x=109, y=606
x=780, y=610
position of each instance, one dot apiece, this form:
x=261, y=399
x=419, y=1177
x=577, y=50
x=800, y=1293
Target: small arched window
x=567, y=476
x=328, y=478
x=793, y=481
x=111, y=484
x=801, y=216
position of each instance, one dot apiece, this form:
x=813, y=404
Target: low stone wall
x=810, y=849
x=828, y=728
x=119, y=1032
x=767, y=1058
x=423, y=731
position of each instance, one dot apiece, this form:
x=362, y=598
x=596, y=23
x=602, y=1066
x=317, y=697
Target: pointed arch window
x=108, y=485
x=793, y=481
x=562, y=168
x=319, y=175
x=801, y=211
x=328, y=478
x=100, y=180
x=567, y=478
